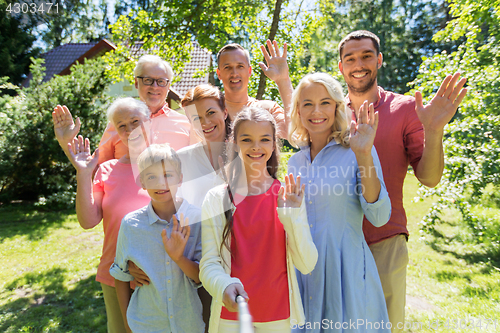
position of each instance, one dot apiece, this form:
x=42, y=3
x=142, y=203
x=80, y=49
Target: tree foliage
x=31, y=162
x=472, y=139
x=405, y=29
x=16, y=41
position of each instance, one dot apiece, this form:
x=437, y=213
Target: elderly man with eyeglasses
x=153, y=77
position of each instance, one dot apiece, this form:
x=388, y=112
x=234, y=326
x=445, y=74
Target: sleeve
x=196, y=239
x=413, y=136
x=378, y=212
x=300, y=243
x=98, y=182
x=110, y=146
x=212, y=273
x=119, y=269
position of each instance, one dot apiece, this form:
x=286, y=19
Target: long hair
x=234, y=169
x=298, y=134
x=203, y=91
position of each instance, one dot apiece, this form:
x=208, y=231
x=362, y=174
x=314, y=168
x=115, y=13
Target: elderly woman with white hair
x=153, y=77
x=110, y=195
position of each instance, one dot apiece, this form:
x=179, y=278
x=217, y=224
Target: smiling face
x=359, y=65
x=208, y=119
x=154, y=96
x=317, y=109
x=234, y=71
x=255, y=141
x=161, y=181
x=125, y=120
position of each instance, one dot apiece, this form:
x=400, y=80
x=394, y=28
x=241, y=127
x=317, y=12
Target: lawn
x=49, y=263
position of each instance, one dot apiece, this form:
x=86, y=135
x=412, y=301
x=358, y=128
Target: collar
x=164, y=110
x=153, y=217
x=307, y=148
x=380, y=100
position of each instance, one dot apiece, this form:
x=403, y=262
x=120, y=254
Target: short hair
x=157, y=153
x=232, y=47
x=299, y=136
x=358, y=35
x=127, y=103
x=153, y=59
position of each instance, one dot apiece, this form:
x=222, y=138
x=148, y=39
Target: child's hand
x=277, y=67
x=229, y=298
x=176, y=244
x=80, y=157
x=363, y=131
x=140, y=278
x=64, y=127
x=293, y=195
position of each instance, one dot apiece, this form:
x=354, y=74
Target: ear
x=380, y=60
x=136, y=83
x=341, y=68
x=250, y=70
x=225, y=114
x=218, y=72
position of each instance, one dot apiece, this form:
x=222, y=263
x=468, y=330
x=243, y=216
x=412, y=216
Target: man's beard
x=361, y=90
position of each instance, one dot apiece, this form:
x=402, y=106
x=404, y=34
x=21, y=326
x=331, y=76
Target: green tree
x=16, y=46
x=472, y=139
x=32, y=165
x=405, y=29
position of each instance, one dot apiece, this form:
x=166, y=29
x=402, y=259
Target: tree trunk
x=272, y=34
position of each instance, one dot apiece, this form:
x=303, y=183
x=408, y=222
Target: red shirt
x=258, y=248
x=399, y=142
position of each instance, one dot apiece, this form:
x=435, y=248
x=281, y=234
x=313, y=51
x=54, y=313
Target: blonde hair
x=153, y=59
x=157, y=153
x=299, y=136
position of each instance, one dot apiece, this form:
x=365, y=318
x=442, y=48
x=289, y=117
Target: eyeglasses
x=148, y=81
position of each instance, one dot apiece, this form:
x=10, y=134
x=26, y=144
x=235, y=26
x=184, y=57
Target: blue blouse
x=343, y=293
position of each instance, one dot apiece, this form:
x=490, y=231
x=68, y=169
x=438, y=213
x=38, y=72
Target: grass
x=47, y=279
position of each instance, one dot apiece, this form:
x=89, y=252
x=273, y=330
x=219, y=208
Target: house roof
x=59, y=60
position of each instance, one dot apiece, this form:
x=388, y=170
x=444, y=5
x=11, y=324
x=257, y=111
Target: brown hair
x=234, y=169
x=232, y=47
x=358, y=35
x=203, y=91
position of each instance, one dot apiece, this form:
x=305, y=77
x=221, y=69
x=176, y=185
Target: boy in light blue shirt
x=164, y=240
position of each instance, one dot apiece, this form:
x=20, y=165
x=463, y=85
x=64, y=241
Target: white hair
x=127, y=102
x=153, y=59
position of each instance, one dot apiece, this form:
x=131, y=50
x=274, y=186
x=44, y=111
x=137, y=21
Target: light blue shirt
x=344, y=286
x=170, y=302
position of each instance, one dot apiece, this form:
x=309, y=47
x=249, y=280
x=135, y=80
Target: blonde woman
x=343, y=177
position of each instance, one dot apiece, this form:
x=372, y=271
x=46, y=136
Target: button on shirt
x=170, y=302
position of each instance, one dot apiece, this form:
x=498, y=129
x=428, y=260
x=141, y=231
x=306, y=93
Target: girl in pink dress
x=255, y=232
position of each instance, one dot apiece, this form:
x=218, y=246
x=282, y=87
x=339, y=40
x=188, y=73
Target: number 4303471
x=33, y=8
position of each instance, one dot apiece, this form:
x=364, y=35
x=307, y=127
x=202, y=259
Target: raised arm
x=361, y=141
x=293, y=216
x=88, y=203
x=276, y=68
x=434, y=117
x=65, y=128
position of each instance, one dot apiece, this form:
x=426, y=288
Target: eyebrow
x=309, y=100
x=265, y=135
x=364, y=52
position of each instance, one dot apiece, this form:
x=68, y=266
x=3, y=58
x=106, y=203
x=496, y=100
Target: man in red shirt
x=409, y=133
x=234, y=70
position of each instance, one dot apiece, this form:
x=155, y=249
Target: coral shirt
x=167, y=126
x=121, y=196
x=258, y=246
x=399, y=142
